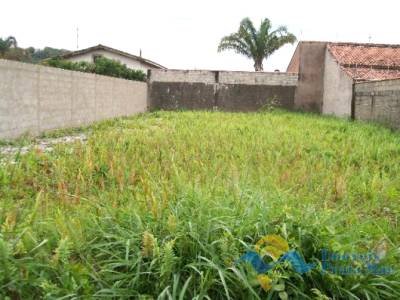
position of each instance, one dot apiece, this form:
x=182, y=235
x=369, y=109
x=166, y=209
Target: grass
x=162, y=205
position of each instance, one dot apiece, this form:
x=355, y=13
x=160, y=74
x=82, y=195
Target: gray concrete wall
x=35, y=98
x=310, y=88
x=227, y=91
x=338, y=89
x=378, y=101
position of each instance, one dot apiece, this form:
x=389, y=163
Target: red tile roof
x=367, y=61
x=363, y=74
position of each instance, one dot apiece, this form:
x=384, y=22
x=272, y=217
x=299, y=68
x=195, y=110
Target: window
x=96, y=56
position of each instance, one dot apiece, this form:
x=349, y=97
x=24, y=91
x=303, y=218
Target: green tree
x=256, y=44
x=18, y=54
x=47, y=52
x=6, y=44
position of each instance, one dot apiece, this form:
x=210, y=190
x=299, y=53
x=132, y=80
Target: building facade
x=328, y=71
x=130, y=60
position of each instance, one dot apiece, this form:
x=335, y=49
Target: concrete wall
x=337, y=89
x=294, y=64
x=378, y=101
x=34, y=98
x=129, y=62
x=228, y=91
x=323, y=86
x=310, y=89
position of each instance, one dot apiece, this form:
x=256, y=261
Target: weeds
x=162, y=205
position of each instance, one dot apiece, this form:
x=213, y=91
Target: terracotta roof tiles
x=367, y=61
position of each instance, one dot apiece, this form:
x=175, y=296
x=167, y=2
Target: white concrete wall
x=129, y=62
x=35, y=98
x=338, y=89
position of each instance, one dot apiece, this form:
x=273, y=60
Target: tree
x=6, y=44
x=18, y=54
x=47, y=52
x=10, y=50
x=256, y=44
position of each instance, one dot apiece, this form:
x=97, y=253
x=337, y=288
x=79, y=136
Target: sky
x=184, y=34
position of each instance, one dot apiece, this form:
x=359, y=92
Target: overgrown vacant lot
x=163, y=205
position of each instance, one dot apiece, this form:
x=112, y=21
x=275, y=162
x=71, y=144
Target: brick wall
x=35, y=98
x=378, y=101
x=227, y=91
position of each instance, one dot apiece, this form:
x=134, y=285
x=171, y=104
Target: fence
x=227, y=91
x=378, y=101
x=35, y=98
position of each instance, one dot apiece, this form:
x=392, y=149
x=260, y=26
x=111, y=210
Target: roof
x=367, y=61
x=112, y=50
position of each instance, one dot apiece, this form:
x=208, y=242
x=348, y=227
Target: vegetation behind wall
x=51, y=57
x=102, y=66
x=10, y=50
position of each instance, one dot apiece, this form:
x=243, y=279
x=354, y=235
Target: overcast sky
x=185, y=33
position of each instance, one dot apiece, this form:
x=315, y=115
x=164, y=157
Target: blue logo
x=278, y=249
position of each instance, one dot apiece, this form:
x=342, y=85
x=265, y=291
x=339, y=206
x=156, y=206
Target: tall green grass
x=162, y=205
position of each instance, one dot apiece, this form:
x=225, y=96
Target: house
x=130, y=60
x=328, y=71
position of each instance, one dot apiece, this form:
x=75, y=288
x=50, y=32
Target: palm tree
x=256, y=44
x=6, y=44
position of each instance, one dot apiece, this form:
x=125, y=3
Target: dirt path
x=45, y=145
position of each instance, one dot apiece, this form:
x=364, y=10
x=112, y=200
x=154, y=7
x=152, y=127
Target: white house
x=130, y=60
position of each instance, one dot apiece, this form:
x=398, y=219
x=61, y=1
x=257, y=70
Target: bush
x=102, y=66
